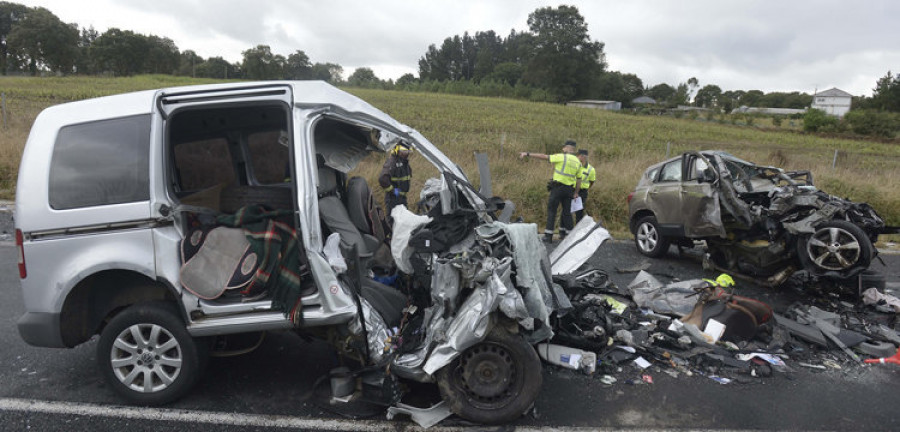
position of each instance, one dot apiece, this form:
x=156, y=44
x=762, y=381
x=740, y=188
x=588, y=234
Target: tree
x=162, y=56
x=507, y=73
x=85, y=63
x=708, y=96
x=609, y=86
x=363, y=77
x=751, y=98
x=121, y=52
x=329, y=72
x=10, y=15
x=261, y=64
x=886, y=94
x=634, y=88
x=217, y=67
x=406, y=80
x=297, y=66
x=565, y=59
x=661, y=92
x=41, y=41
x=189, y=61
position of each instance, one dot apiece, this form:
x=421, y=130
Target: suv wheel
x=493, y=382
x=648, y=239
x=837, y=248
x=147, y=356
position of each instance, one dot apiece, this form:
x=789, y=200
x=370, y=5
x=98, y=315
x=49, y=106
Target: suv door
x=664, y=199
x=700, y=211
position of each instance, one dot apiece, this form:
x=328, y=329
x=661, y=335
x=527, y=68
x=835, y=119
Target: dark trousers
x=391, y=201
x=580, y=213
x=560, y=195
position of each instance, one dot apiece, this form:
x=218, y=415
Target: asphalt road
x=271, y=388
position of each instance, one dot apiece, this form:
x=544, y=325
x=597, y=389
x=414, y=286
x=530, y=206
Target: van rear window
x=101, y=163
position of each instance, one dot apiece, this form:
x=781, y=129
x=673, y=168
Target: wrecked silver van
x=759, y=221
x=161, y=220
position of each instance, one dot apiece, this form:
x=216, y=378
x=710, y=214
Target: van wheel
x=493, y=382
x=147, y=356
x=837, y=248
x=648, y=239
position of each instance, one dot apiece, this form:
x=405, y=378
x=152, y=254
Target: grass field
x=621, y=145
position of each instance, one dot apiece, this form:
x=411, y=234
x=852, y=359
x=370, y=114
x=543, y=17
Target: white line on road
x=233, y=419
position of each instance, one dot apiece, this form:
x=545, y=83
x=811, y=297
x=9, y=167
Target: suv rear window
x=101, y=163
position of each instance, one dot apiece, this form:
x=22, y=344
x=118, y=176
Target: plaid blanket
x=281, y=263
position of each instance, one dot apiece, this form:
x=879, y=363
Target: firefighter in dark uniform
x=395, y=177
x=563, y=188
x=588, y=177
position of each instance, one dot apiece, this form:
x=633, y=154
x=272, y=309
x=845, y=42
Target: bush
x=870, y=122
x=776, y=121
x=816, y=120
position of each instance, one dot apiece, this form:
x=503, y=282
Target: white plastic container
x=568, y=357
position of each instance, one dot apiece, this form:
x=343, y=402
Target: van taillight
x=19, y=241
x=630, y=196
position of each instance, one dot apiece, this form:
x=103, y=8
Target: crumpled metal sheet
x=472, y=322
x=578, y=246
x=729, y=198
x=405, y=222
x=532, y=273
x=807, y=224
x=676, y=298
x=376, y=331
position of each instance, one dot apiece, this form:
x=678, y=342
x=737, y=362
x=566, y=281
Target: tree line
x=554, y=60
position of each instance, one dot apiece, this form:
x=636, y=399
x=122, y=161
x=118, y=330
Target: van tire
x=149, y=340
x=509, y=384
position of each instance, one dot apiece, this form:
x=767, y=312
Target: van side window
x=269, y=156
x=203, y=164
x=101, y=163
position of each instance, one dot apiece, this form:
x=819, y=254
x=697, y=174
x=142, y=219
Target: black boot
x=548, y=238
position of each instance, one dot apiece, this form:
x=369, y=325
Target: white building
x=596, y=104
x=834, y=101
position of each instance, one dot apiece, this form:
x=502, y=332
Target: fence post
x=834, y=161
x=502, y=142
x=668, y=145
x=3, y=103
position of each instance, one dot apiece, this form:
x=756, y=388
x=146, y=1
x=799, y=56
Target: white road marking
x=257, y=420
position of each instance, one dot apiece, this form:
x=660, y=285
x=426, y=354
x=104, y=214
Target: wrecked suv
x=760, y=221
x=167, y=221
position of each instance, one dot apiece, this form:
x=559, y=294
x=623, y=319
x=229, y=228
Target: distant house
x=596, y=104
x=834, y=101
x=643, y=100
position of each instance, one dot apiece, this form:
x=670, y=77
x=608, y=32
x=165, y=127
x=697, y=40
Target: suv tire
x=837, y=248
x=493, y=382
x=147, y=356
x=648, y=239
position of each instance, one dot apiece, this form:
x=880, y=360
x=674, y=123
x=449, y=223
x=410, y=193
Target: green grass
x=621, y=145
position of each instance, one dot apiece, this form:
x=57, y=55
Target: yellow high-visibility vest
x=566, y=168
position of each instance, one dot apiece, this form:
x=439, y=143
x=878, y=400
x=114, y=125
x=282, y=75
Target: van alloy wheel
x=837, y=248
x=146, y=358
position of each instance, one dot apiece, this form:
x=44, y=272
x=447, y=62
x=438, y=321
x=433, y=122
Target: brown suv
x=756, y=220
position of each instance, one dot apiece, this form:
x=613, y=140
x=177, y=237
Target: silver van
x=160, y=220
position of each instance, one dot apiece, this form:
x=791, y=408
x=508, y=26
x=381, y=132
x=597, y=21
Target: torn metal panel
x=533, y=281
x=673, y=299
x=578, y=246
x=376, y=331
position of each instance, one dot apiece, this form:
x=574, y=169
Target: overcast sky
x=786, y=45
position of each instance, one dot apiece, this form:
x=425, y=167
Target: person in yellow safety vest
x=395, y=177
x=588, y=177
x=563, y=188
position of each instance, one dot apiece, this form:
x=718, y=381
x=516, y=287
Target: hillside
x=621, y=145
